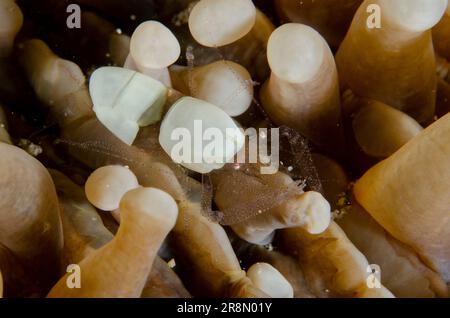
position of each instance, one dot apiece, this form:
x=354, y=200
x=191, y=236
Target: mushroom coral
x=326, y=255
x=30, y=224
x=331, y=262
x=401, y=269
x=303, y=90
x=373, y=131
x=84, y=233
x=121, y=267
x=91, y=143
x=400, y=52
x=305, y=230
x=400, y=265
x=407, y=195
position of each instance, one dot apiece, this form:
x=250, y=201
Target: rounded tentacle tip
x=106, y=186
x=296, y=52
x=223, y=83
x=154, y=46
x=153, y=203
x=215, y=23
x=414, y=15
x=316, y=212
x=269, y=280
